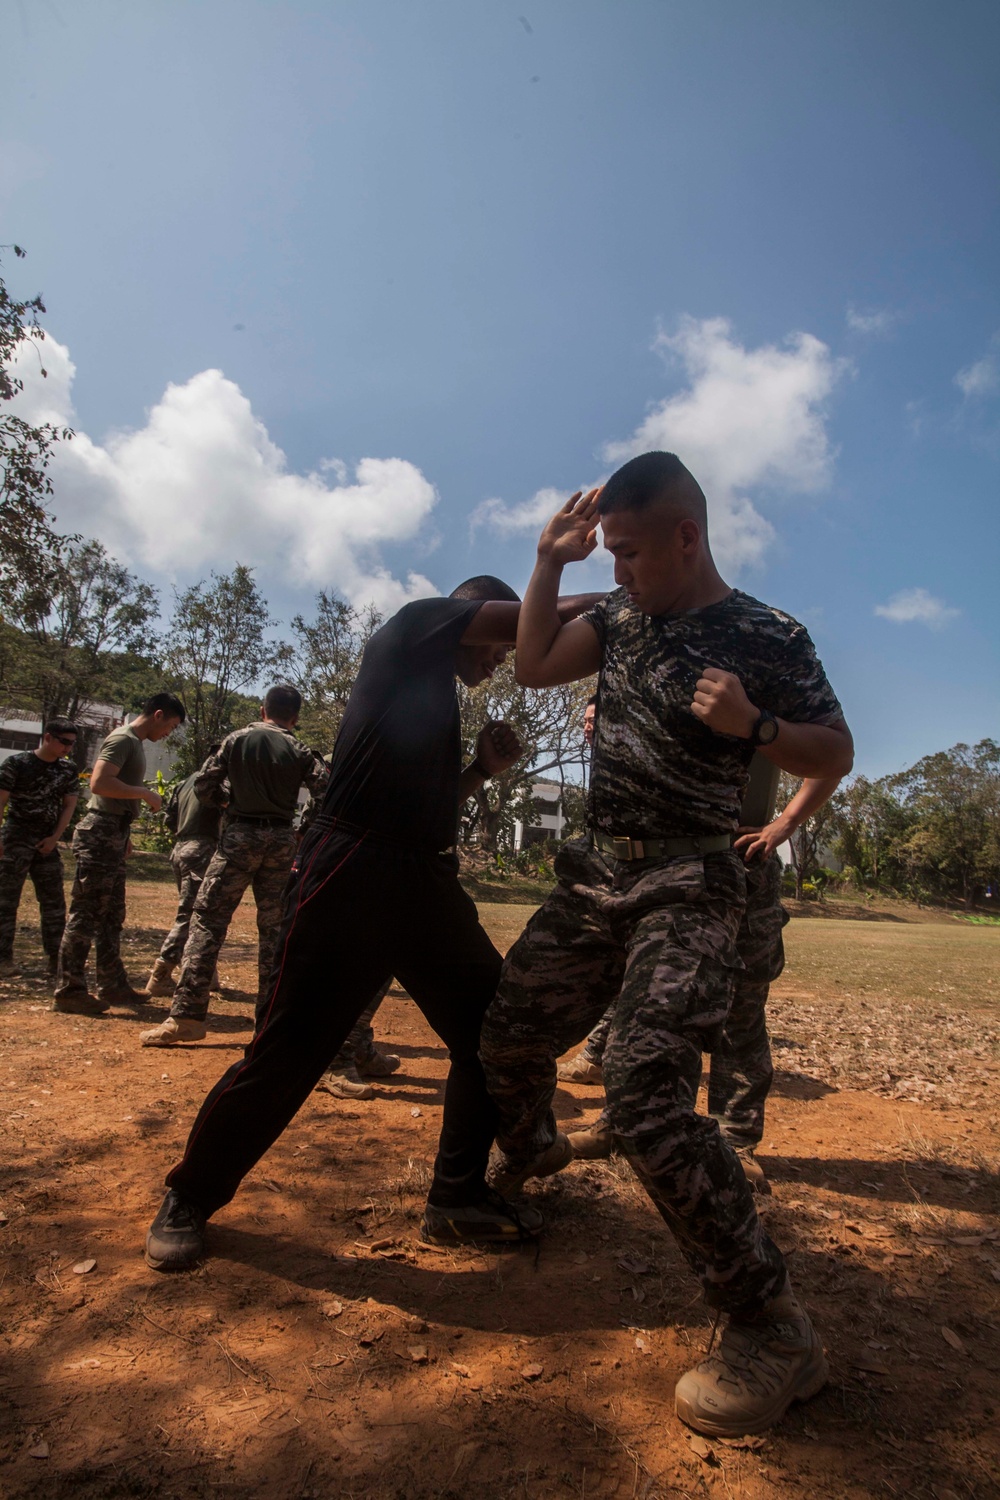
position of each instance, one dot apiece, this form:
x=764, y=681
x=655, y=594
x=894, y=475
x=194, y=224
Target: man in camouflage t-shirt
x=39, y=791
x=694, y=677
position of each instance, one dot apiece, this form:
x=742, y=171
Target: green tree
x=549, y=722
x=954, y=797
x=326, y=661
x=218, y=649
x=811, y=839
x=28, y=545
x=81, y=635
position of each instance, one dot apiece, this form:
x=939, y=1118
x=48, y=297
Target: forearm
x=813, y=794
x=64, y=818
x=813, y=751
x=471, y=779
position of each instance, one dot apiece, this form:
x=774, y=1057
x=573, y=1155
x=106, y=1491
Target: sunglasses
x=68, y=740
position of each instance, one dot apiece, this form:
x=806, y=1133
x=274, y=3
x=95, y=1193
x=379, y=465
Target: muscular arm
x=813, y=794
x=808, y=750
x=210, y=783
x=105, y=782
x=497, y=619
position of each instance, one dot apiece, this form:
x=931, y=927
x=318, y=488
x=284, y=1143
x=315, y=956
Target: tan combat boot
x=174, y=1029
x=752, y=1170
x=592, y=1143
x=760, y=1366
x=346, y=1084
x=508, y=1179
x=579, y=1069
x=160, y=982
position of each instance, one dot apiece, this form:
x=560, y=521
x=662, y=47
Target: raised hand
x=497, y=748
x=571, y=535
x=721, y=702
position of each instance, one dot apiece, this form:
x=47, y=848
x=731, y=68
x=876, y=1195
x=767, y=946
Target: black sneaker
x=490, y=1221
x=176, y=1238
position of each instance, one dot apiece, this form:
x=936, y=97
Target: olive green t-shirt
x=122, y=748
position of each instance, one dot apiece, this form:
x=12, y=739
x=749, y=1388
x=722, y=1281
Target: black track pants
x=358, y=911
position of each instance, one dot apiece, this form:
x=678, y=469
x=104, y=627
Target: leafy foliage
x=217, y=647
x=28, y=545
x=326, y=662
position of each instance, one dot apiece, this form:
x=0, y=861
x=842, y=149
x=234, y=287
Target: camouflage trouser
x=21, y=859
x=660, y=941
x=360, y=1043
x=190, y=859
x=97, y=906
x=741, y=1071
x=256, y=855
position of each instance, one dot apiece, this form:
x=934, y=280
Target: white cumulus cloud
x=746, y=420
x=874, y=321
x=911, y=606
x=981, y=378
x=202, y=485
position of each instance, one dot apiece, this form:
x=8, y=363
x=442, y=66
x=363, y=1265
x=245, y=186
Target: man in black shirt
x=375, y=893
x=39, y=791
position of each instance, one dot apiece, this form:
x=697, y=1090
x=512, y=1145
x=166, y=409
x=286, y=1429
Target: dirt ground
x=323, y=1350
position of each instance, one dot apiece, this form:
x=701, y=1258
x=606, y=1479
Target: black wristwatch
x=765, y=729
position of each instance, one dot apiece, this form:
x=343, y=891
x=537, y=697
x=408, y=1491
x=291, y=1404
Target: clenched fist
x=720, y=702
x=497, y=748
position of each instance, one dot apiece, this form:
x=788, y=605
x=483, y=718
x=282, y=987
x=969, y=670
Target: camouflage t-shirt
x=37, y=788
x=657, y=769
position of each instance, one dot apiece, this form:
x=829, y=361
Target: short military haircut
x=650, y=478
x=485, y=586
x=282, y=701
x=59, y=726
x=166, y=704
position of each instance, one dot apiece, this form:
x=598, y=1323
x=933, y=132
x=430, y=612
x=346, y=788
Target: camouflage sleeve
x=598, y=618
x=8, y=775
x=800, y=690
x=316, y=777
x=210, y=784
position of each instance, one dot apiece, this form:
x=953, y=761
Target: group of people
x=662, y=932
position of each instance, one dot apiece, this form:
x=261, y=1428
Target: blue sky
x=345, y=290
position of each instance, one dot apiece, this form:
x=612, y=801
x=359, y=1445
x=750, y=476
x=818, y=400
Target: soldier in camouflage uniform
x=264, y=767
x=39, y=791
x=195, y=827
x=646, y=913
x=101, y=845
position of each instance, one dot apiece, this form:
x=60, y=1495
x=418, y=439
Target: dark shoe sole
x=169, y=1262
x=456, y=1234
x=68, y=1007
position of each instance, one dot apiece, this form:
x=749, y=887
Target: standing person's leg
x=558, y=979
x=112, y=979
x=741, y=1069
x=334, y=949
x=585, y=1067
x=342, y=1078
x=189, y=860
x=14, y=865
x=276, y=855
x=673, y=1006
x=230, y=871
x=97, y=847
x=47, y=877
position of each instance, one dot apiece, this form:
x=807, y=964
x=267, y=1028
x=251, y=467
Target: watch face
x=767, y=731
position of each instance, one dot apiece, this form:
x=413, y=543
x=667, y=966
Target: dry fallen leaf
x=462, y=1370
x=952, y=1339
x=84, y=1267
x=40, y=1450
x=701, y=1448
x=531, y=1372
x=748, y=1444
x=642, y=1345
x=634, y=1264
x=333, y=1309
x=415, y=1113
x=418, y=1353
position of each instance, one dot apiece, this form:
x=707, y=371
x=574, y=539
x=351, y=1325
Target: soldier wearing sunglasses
x=38, y=792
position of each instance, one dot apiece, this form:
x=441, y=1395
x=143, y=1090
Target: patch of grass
x=978, y=920
x=509, y=890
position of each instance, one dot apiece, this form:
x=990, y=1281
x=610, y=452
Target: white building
x=547, y=821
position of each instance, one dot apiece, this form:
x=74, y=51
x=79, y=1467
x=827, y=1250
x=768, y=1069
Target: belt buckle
x=628, y=848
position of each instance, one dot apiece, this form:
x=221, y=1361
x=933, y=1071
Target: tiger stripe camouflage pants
x=741, y=1071
x=19, y=862
x=658, y=940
